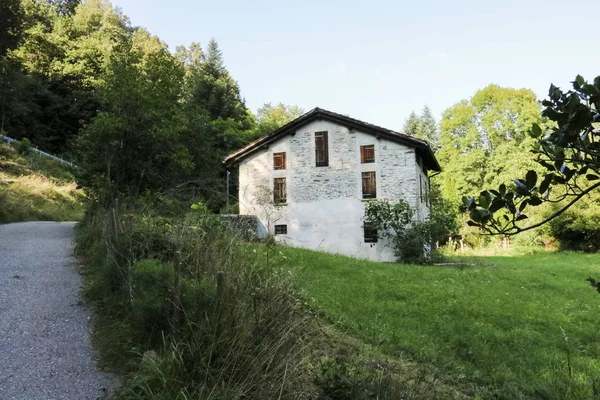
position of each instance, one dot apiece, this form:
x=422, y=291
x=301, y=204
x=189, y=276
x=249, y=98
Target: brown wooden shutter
x=321, y=149
x=278, y=161
x=279, y=191
x=369, y=185
x=367, y=154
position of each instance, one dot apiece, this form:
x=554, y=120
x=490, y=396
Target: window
x=367, y=154
x=279, y=191
x=279, y=160
x=369, y=186
x=281, y=229
x=370, y=234
x=321, y=149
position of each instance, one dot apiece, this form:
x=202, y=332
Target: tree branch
x=556, y=214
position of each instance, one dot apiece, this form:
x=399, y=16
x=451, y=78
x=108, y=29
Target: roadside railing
x=40, y=152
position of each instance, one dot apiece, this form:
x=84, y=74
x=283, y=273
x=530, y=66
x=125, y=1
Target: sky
x=379, y=60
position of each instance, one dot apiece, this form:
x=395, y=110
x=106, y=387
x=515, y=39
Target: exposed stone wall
x=324, y=207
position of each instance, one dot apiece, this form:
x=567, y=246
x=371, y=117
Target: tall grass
x=185, y=310
x=32, y=188
x=244, y=337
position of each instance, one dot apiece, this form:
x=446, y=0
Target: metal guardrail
x=40, y=152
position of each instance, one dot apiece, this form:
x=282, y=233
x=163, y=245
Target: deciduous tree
x=568, y=152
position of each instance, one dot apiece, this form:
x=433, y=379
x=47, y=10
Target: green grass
x=33, y=188
x=496, y=329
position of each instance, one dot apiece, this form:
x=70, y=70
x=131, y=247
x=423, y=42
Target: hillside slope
x=33, y=188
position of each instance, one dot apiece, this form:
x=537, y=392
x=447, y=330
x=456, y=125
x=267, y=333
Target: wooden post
x=177, y=262
x=220, y=294
x=220, y=286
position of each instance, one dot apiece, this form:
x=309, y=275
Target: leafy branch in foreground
x=570, y=154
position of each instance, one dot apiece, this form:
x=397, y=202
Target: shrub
x=413, y=241
x=23, y=146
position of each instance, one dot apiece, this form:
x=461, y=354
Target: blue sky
x=378, y=60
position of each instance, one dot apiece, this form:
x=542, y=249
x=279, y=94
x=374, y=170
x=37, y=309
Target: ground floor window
x=281, y=229
x=370, y=234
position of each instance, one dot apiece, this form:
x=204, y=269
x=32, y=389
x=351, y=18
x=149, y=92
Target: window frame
x=279, y=196
x=373, y=193
x=324, y=150
x=363, y=152
x=282, y=156
x=370, y=234
x=280, y=229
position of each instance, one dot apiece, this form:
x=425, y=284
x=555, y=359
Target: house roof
x=422, y=147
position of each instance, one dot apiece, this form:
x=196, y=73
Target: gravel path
x=45, y=348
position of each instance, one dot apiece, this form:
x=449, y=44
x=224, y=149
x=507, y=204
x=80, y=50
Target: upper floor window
x=367, y=154
x=279, y=160
x=279, y=191
x=321, y=149
x=369, y=185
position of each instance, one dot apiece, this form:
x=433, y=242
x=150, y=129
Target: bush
x=23, y=146
x=413, y=241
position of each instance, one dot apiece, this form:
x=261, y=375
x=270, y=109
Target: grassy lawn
x=33, y=188
x=496, y=329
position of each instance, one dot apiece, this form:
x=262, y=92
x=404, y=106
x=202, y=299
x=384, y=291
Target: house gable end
x=420, y=146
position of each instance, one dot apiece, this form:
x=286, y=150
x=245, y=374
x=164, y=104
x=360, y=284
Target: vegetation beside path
x=33, y=188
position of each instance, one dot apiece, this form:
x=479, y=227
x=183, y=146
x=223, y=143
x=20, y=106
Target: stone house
x=308, y=181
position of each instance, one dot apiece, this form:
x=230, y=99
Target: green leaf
x=531, y=179
x=496, y=205
x=484, y=199
x=523, y=205
x=546, y=165
x=471, y=223
x=590, y=90
x=546, y=183
x=536, y=131
x=475, y=215
x=579, y=82
x=521, y=217
x=592, y=177
x=502, y=190
x=535, y=201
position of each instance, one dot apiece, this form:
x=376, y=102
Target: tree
x=134, y=144
x=474, y=132
x=213, y=89
x=412, y=125
x=567, y=150
x=11, y=16
x=428, y=129
x=270, y=118
x=423, y=127
x=65, y=7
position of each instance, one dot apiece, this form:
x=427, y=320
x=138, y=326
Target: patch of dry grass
x=36, y=190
